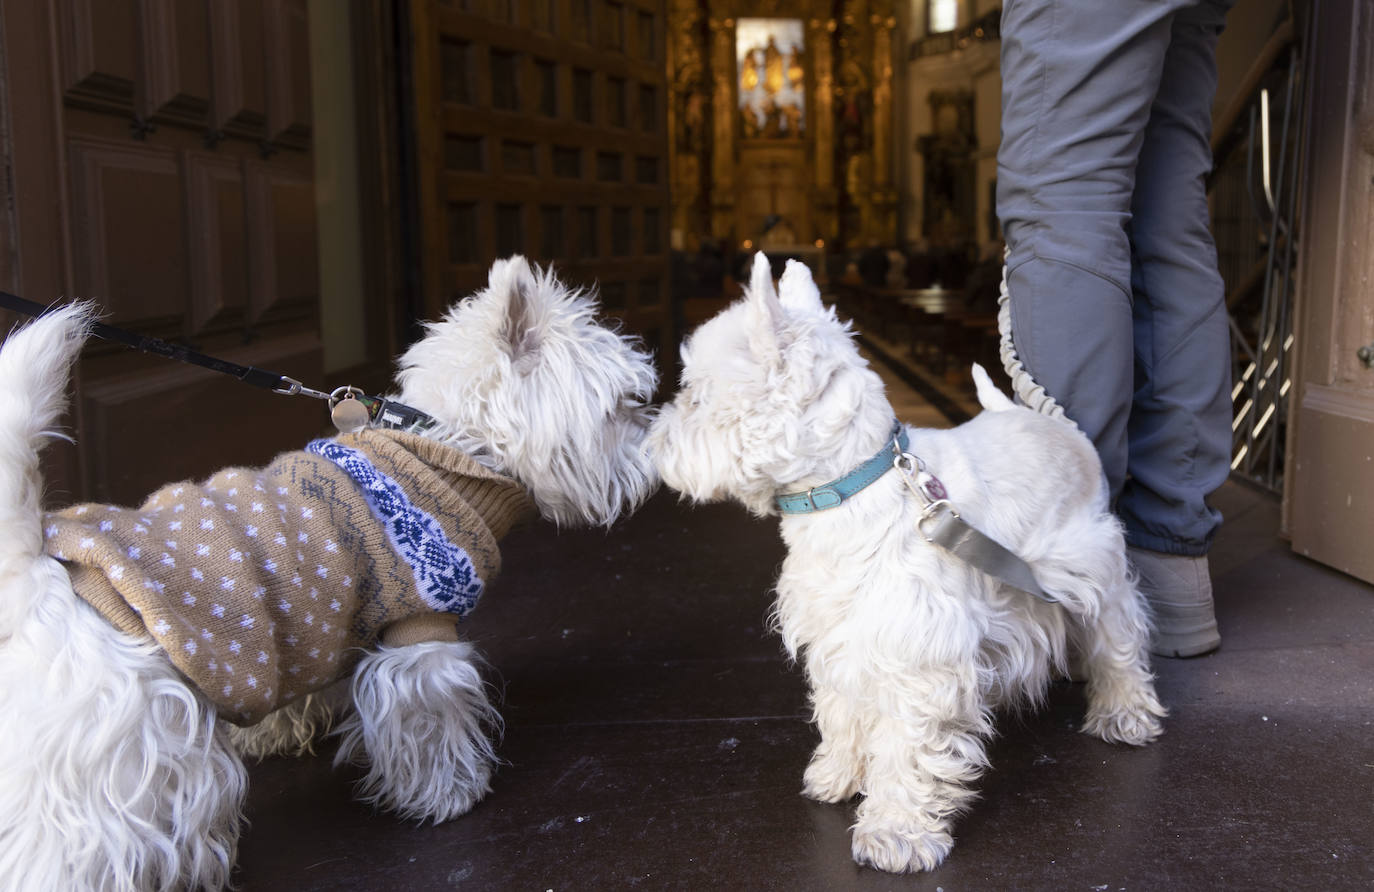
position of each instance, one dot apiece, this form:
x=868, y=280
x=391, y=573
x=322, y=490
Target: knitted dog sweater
x=265, y=584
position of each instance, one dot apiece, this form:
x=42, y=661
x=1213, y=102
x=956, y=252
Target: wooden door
x=541, y=130
x=1331, y=490
x=159, y=157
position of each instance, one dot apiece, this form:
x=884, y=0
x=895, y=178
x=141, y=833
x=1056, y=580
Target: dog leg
x=924, y=749
x=836, y=770
x=113, y=774
x=1088, y=574
x=289, y=731
x=1122, y=705
x=421, y=724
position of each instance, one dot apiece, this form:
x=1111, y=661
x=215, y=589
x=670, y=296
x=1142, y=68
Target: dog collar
x=939, y=523
x=352, y=410
x=833, y=494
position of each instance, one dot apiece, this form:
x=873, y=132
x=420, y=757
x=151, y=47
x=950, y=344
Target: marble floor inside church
x=656, y=736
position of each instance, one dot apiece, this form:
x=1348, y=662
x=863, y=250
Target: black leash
x=350, y=408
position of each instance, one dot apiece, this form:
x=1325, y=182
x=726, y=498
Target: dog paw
x=900, y=846
x=829, y=779
x=1123, y=710
x=1136, y=727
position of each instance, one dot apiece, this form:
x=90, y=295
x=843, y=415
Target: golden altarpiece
x=782, y=121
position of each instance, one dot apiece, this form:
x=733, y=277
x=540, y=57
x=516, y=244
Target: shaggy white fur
x=908, y=649
x=115, y=774
x=524, y=379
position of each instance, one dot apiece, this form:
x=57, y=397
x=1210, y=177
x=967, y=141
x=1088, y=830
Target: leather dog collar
x=833, y=494
x=939, y=524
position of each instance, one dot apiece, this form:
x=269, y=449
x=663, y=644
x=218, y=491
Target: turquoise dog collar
x=832, y=494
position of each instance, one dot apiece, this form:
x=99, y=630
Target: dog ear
x=797, y=290
x=765, y=311
x=513, y=282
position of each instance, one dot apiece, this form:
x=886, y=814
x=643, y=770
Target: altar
x=781, y=136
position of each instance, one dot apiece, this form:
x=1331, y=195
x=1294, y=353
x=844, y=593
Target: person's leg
x=1078, y=80
x=1180, y=432
x=1179, y=429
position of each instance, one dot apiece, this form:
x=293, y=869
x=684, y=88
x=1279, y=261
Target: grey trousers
x=1116, y=303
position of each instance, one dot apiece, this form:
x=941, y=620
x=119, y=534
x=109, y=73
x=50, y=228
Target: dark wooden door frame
x=391, y=252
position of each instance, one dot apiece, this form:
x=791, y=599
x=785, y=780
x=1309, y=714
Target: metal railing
x=1254, y=200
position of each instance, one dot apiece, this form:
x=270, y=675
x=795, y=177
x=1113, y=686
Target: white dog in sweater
x=116, y=772
x=908, y=649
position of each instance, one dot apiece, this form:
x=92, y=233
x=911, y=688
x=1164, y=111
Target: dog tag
x=349, y=415
x=931, y=486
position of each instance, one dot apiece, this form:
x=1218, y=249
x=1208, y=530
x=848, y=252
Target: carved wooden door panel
x=160, y=163
x=1331, y=489
x=541, y=130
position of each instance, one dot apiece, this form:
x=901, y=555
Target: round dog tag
x=349, y=415
x=931, y=486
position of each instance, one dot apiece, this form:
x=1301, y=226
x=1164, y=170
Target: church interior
x=655, y=733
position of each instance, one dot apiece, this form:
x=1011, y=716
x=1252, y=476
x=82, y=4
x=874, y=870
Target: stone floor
x=655, y=739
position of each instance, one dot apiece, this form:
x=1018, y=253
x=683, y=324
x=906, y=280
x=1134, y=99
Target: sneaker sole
x=1190, y=643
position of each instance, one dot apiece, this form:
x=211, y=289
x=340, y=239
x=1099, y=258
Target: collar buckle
x=822, y=497
x=833, y=494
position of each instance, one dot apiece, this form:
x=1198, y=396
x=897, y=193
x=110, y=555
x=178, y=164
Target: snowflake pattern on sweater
x=264, y=584
x=444, y=575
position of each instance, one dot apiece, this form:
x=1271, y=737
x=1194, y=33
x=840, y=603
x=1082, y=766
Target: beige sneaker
x=1178, y=589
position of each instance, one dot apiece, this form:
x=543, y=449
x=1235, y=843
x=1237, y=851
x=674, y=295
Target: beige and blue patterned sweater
x=263, y=584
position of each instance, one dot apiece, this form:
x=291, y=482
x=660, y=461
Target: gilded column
x=723, y=127
x=823, y=126
x=855, y=93
x=882, y=224
x=689, y=104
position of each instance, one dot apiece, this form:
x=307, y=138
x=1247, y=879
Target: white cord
x=1023, y=385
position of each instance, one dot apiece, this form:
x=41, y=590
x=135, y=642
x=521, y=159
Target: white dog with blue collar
x=919, y=604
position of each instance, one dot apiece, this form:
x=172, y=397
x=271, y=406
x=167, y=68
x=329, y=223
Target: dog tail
x=989, y=396
x=35, y=365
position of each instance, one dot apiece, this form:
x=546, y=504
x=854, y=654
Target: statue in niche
x=749, y=75
x=772, y=64
x=950, y=199
x=855, y=114
x=690, y=88
x=693, y=133
x=855, y=108
x=795, y=72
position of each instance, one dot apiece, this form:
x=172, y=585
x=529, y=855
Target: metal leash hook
x=926, y=487
x=291, y=387
x=923, y=483
x=952, y=533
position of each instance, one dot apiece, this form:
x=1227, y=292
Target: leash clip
x=291, y=387
x=906, y=463
x=931, y=511
x=925, y=484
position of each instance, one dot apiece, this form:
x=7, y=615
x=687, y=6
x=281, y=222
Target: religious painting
x=772, y=78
